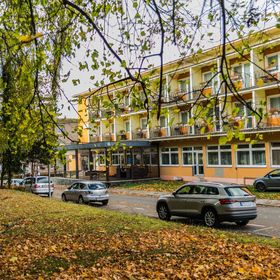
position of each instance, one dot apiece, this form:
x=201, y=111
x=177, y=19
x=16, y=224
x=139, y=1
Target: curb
x=260, y=202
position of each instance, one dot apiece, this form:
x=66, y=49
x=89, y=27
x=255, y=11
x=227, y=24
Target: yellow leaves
x=29, y=38
x=241, y=270
x=13, y=259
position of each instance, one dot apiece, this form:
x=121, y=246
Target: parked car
x=38, y=185
x=213, y=202
x=86, y=192
x=16, y=182
x=269, y=181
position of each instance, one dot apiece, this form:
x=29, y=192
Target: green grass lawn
x=48, y=239
x=170, y=186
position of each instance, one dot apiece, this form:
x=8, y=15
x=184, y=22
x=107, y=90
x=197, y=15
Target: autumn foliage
x=47, y=239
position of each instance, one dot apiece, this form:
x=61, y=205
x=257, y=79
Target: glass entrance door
x=198, y=168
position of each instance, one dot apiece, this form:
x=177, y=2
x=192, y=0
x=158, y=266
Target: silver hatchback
x=213, y=202
x=86, y=192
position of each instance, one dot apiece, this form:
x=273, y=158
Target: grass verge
x=42, y=238
x=170, y=186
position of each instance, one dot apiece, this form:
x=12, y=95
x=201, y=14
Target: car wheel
x=163, y=212
x=105, y=202
x=210, y=218
x=63, y=197
x=81, y=200
x=242, y=223
x=261, y=187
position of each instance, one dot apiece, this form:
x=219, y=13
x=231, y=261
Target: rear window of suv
x=43, y=180
x=237, y=191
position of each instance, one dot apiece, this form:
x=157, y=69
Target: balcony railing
x=263, y=78
x=108, y=136
x=181, y=129
x=179, y=96
x=123, y=135
x=95, y=138
x=140, y=134
x=159, y=132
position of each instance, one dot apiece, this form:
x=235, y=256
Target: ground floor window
x=169, y=156
x=219, y=155
x=150, y=156
x=187, y=155
x=251, y=154
x=275, y=154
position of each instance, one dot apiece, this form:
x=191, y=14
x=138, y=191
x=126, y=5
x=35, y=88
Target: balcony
x=179, y=96
x=123, y=135
x=180, y=129
x=139, y=134
x=95, y=138
x=159, y=132
x=267, y=78
x=108, y=136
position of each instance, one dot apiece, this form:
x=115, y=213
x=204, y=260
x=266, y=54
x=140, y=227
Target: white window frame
x=250, y=149
x=219, y=151
x=125, y=122
x=210, y=85
x=266, y=62
x=245, y=113
x=269, y=99
x=187, y=81
x=270, y=151
x=191, y=151
x=169, y=152
x=242, y=78
x=144, y=118
x=166, y=122
x=150, y=155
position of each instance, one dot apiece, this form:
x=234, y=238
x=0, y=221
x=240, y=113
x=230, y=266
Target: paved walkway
x=260, y=202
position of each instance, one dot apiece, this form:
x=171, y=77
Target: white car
x=38, y=185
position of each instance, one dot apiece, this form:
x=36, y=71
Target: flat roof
x=106, y=144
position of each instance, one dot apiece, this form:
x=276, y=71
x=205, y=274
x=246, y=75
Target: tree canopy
x=119, y=39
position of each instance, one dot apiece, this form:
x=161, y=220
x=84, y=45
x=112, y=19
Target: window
x=275, y=154
x=272, y=63
x=126, y=100
x=185, y=116
x=185, y=190
x=245, y=112
x=274, y=104
x=237, y=191
x=275, y=174
x=127, y=126
x=169, y=156
x=207, y=77
x=219, y=155
x=242, y=72
x=187, y=153
x=143, y=123
x=98, y=186
x=251, y=154
x=112, y=128
x=150, y=156
x=163, y=121
x=184, y=85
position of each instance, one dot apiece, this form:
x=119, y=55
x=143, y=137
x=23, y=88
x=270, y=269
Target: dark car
x=213, y=202
x=269, y=181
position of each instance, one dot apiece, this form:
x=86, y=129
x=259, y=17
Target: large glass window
x=248, y=154
x=245, y=113
x=275, y=154
x=187, y=154
x=219, y=155
x=169, y=156
x=143, y=123
x=184, y=85
x=127, y=126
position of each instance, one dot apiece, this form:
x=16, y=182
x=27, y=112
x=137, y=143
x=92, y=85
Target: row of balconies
x=262, y=79
x=184, y=130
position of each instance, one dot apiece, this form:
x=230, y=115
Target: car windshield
x=43, y=180
x=99, y=186
x=237, y=191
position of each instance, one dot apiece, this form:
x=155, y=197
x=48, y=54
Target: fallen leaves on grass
x=53, y=240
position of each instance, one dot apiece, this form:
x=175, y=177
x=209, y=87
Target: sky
x=170, y=53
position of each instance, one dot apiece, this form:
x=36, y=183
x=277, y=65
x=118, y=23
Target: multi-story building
x=173, y=146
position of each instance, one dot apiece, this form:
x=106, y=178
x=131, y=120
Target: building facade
x=180, y=147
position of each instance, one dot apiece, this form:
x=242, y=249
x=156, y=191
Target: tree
x=123, y=38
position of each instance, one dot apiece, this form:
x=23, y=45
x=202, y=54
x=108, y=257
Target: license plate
x=247, y=203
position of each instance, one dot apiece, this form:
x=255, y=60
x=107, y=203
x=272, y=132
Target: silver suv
x=213, y=202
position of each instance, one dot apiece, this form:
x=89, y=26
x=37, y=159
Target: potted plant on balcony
x=157, y=131
x=274, y=112
x=139, y=132
x=122, y=134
